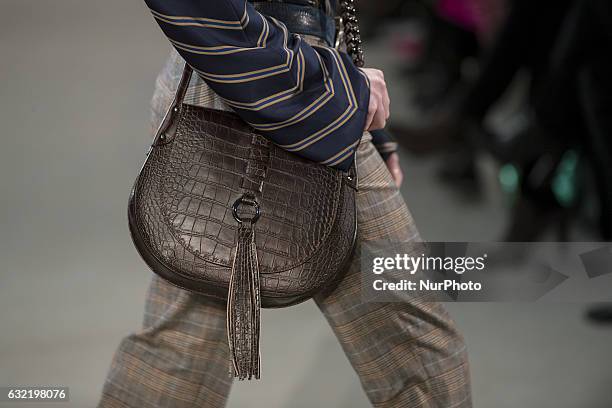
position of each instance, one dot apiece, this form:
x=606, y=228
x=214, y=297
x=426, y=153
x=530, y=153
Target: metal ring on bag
x=244, y=200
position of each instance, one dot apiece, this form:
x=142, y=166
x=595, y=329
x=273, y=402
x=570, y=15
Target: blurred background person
x=556, y=159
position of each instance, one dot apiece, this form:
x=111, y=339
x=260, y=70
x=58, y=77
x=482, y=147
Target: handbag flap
x=212, y=160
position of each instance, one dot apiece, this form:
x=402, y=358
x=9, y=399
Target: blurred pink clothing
x=479, y=16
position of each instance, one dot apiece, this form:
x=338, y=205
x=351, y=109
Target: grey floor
x=75, y=80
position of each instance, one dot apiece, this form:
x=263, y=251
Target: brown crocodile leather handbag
x=219, y=210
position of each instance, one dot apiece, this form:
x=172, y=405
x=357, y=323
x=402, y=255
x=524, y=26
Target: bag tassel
x=243, y=306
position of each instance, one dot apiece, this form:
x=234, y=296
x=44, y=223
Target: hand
x=395, y=169
x=378, y=108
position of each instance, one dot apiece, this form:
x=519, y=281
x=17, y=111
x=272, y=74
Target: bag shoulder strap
x=168, y=124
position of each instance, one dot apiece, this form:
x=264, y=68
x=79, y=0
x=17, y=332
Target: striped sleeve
x=384, y=143
x=309, y=100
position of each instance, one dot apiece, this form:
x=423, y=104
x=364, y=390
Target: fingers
x=387, y=103
x=378, y=108
x=398, y=177
x=372, y=107
x=378, y=113
x=379, y=120
x=395, y=169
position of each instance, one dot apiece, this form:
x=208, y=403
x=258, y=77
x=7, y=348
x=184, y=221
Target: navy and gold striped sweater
x=310, y=100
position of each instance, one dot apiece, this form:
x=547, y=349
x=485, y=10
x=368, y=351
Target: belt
x=306, y=17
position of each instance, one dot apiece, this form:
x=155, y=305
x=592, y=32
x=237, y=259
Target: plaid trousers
x=406, y=354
